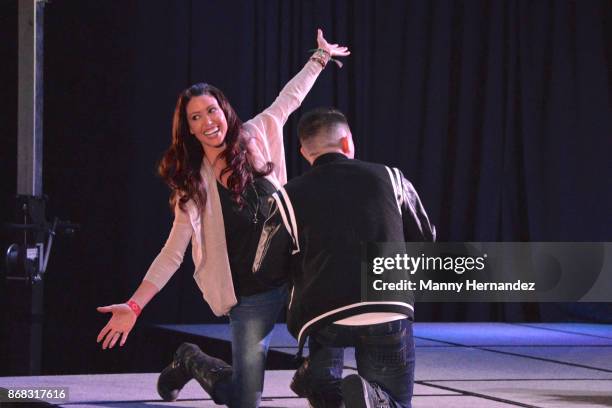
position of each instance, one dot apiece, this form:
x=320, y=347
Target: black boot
x=191, y=362
x=359, y=393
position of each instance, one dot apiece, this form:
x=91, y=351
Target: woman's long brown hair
x=181, y=163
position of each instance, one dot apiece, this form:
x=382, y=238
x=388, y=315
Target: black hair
x=316, y=120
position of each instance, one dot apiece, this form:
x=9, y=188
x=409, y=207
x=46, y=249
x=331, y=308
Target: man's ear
x=345, y=144
x=304, y=154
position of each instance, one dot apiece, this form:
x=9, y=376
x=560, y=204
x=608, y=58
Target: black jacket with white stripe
x=329, y=212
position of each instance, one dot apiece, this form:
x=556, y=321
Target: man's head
x=324, y=130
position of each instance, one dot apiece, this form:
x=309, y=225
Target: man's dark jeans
x=384, y=354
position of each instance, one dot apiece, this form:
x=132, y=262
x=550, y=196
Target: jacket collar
x=329, y=158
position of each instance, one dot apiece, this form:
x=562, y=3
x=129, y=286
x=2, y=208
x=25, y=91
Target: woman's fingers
x=103, y=332
x=116, y=336
x=109, y=325
x=110, y=340
x=107, y=340
x=117, y=328
x=105, y=309
x=338, y=53
x=333, y=49
x=321, y=42
x=124, y=338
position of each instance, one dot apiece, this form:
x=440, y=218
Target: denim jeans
x=384, y=354
x=251, y=322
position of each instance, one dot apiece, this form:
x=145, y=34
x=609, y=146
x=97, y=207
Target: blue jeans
x=251, y=322
x=384, y=354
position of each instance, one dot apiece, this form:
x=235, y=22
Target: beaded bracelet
x=323, y=57
x=135, y=307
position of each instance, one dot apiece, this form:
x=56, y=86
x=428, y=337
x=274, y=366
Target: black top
x=242, y=230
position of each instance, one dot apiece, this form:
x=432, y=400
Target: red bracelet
x=135, y=307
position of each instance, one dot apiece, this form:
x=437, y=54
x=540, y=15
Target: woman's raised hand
x=119, y=326
x=334, y=49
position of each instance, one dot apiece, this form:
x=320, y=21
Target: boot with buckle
x=191, y=362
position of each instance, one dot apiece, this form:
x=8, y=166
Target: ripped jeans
x=384, y=354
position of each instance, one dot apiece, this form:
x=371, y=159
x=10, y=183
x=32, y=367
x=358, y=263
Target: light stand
x=26, y=259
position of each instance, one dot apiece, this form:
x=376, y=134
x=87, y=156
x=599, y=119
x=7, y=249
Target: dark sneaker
x=174, y=377
x=359, y=393
x=299, y=383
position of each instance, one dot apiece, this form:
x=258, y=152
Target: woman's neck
x=213, y=155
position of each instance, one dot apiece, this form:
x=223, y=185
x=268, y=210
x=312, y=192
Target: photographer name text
x=468, y=286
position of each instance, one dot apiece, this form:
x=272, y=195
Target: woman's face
x=206, y=120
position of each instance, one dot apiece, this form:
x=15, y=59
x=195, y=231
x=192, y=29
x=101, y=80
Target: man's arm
x=416, y=222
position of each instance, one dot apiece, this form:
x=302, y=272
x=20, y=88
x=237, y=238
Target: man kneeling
x=329, y=211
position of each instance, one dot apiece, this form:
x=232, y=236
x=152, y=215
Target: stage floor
x=469, y=365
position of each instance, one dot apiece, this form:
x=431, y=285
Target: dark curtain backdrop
x=498, y=111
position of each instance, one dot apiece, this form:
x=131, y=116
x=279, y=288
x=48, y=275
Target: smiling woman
x=207, y=121
x=220, y=171
x=205, y=125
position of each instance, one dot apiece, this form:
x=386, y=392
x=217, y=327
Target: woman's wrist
x=135, y=307
x=321, y=56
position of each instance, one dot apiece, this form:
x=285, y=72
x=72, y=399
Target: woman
x=218, y=170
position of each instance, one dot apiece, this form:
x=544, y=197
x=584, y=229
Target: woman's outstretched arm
x=267, y=127
x=124, y=315
x=294, y=92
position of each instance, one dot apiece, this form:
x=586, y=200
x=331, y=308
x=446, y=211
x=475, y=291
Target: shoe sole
x=354, y=392
x=166, y=394
x=169, y=375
